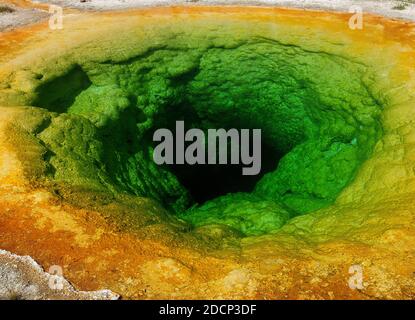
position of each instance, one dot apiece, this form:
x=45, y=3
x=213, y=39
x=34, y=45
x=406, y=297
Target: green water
x=317, y=116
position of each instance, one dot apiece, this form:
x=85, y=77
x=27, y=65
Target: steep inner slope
x=318, y=118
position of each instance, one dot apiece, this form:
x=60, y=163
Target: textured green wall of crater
x=311, y=106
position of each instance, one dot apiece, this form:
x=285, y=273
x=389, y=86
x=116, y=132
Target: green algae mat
x=318, y=111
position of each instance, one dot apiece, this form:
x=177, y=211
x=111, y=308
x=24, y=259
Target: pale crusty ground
x=21, y=278
x=20, y=16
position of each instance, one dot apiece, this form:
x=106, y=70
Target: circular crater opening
x=318, y=118
x=207, y=181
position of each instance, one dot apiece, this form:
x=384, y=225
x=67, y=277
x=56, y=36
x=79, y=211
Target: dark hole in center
x=208, y=181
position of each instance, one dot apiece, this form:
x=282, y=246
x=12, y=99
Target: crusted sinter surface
x=18, y=13
x=21, y=278
x=76, y=127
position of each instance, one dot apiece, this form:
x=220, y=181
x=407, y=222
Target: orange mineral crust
x=58, y=207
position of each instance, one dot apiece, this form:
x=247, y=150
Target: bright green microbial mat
x=319, y=123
